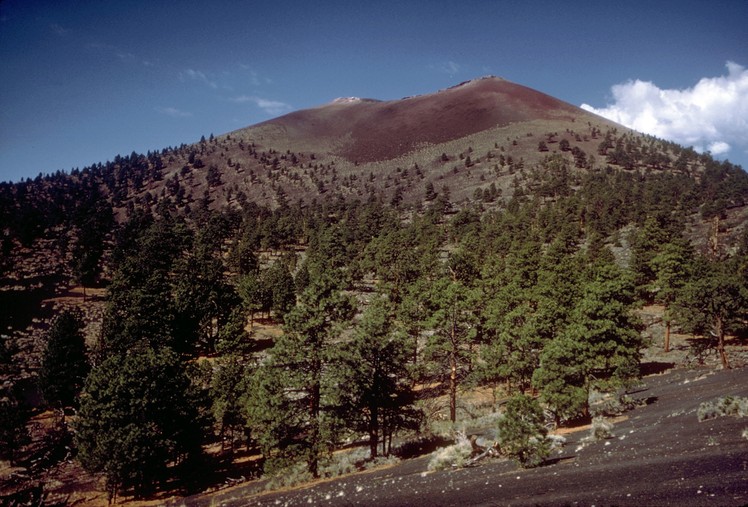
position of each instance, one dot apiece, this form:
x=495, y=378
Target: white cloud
x=59, y=29
x=448, y=67
x=196, y=75
x=272, y=107
x=712, y=115
x=173, y=112
x=254, y=77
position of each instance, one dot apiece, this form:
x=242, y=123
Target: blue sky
x=82, y=81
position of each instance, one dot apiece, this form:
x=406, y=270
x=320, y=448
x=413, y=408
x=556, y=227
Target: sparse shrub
x=708, y=410
x=745, y=433
x=724, y=406
x=522, y=432
x=614, y=405
x=557, y=442
x=355, y=461
x=601, y=429
x=453, y=455
x=290, y=476
x=346, y=463
x=341, y=464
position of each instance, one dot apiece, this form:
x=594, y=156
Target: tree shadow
x=655, y=368
x=420, y=446
x=556, y=461
x=740, y=338
x=576, y=423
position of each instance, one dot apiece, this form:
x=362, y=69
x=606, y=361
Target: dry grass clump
x=454, y=455
x=725, y=406
x=340, y=464
x=291, y=476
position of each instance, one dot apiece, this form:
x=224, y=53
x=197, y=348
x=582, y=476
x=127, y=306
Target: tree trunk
x=667, y=335
x=453, y=387
x=721, y=343
x=314, y=402
x=453, y=372
x=373, y=430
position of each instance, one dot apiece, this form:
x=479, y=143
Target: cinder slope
x=364, y=130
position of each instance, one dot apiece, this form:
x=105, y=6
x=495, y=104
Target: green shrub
x=522, y=433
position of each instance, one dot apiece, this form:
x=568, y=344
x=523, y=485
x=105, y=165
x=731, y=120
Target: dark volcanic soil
x=659, y=455
x=368, y=130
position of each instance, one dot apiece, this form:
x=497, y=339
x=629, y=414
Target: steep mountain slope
x=370, y=131
x=498, y=124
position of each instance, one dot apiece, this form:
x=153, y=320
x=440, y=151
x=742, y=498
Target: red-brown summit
x=365, y=130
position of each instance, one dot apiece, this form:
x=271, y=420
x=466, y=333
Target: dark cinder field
x=659, y=454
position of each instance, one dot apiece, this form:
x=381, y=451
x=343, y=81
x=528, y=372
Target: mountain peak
x=367, y=130
x=346, y=100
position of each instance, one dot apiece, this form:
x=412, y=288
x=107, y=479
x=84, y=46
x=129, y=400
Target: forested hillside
x=249, y=298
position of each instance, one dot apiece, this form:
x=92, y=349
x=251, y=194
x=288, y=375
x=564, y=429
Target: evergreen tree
x=600, y=348
x=233, y=337
x=141, y=303
x=712, y=303
x=255, y=295
x=202, y=299
x=137, y=420
x=279, y=284
x=449, y=306
x=374, y=386
x=512, y=352
x=430, y=193
x=671, y=267
x=228, y=389
x=289, y=404
x=65, y=362
x=647, y=242
x=13, y=432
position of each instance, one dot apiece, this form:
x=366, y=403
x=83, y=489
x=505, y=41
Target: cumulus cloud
x=272, y=107
x=173, y=112
x=712, y=115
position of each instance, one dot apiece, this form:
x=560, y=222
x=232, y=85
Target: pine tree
x=137, y=418
x=600, y=348
x=512, y=352
x=13, y=418
x=671, y=267
x=712, y=303
x=448, y=349
x=289, y=404
x=228, y=389
x=374, y=386
x=522, y=433
x=65, y=362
